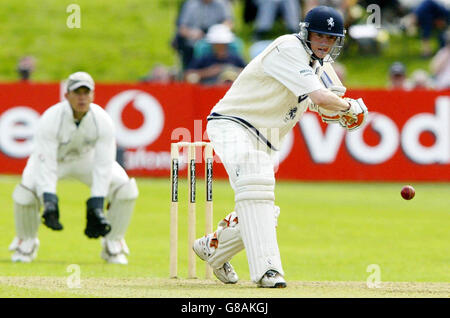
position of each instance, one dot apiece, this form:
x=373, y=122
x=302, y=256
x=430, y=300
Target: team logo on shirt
x=330, y=23
x=290, y=115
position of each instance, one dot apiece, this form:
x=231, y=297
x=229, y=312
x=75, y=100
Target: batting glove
x=338, y=90
x=355, y=116
x=328, y=116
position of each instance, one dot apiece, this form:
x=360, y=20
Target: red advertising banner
x=406, y=138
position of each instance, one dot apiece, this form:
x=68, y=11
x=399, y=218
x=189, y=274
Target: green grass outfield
x=328, y=233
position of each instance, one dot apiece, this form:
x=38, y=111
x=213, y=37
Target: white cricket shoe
x=272, y=279
x=226, y=274
x=203, y=249
x=25, y=250
x=115, y=251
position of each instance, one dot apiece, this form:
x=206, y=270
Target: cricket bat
x=328, y=76
x=331, y=81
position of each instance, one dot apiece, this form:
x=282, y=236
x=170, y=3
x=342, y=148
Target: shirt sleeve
x=46, y=150
x=226, y=9
x=187, y=11
x=290, y=67
x=104, y=156
x=195, y=64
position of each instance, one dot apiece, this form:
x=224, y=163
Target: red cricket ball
x=408, y=192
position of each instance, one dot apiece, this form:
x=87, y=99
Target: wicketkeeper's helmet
x=324, y=20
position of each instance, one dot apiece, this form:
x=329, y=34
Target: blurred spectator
x=366, y=37
x=250, y=11
x=429, y=15
x=258, y=47
x=267, y=12
x=219, y=65
x=391, y=10
x=25, y=67
x=420, y=79
x=195, y=18
x=341, y=5
x=397, y=76
x=440, y=65
x=409, y=4
x=160, y=74
x=203, y=46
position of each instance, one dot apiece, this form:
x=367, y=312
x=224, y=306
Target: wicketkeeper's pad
x=120, y=209
x=26, y=212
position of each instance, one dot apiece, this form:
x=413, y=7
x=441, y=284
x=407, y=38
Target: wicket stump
x=208, y=155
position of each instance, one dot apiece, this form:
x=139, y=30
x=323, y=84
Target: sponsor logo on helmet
x=330, y=23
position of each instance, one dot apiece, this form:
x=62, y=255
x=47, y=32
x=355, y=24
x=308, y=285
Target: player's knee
x=255, y=187
x=127, y=191
x=24, y=196
x=257, y=161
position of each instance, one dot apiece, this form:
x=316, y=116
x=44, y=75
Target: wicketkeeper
x=247, y=126
x=75, y=138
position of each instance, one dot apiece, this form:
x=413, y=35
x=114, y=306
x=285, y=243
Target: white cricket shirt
x=58, y=139
x=270, y=94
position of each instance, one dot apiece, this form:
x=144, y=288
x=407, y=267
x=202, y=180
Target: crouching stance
x=74, y=139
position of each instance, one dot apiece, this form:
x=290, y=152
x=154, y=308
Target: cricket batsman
x=246, y=128
x=75, y=138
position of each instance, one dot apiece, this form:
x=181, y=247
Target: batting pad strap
x=255, y=188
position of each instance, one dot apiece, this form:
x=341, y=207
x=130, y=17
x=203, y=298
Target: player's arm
x=46, y=147
x=328, y=100
x=191, y=33
x=324, y=103
x=349, y=113
x=290, y=66
x=195, y=75
x=185, y=20
x=104, y=156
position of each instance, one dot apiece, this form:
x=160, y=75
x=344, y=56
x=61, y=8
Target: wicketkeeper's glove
x=97, y=225
x=50, y=217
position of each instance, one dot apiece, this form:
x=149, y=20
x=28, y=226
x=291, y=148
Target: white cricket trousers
x=78, y=169
x=250, y=167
